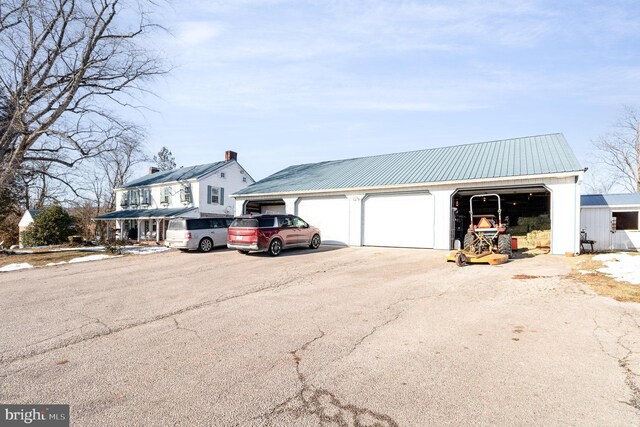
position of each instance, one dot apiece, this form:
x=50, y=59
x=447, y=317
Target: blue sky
x=289, y=82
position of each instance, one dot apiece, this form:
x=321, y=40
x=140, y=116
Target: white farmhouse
x=145, y=205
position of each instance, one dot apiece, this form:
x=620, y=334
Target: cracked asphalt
x=338, y=336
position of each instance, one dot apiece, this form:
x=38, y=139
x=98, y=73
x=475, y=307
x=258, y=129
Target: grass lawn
x=40, y=259
x=602, y=283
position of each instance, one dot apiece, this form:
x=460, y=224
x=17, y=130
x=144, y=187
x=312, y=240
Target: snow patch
x=585, y=272
x=90, y=258
x=143, y=250
x=18, y=266
x=621, y=266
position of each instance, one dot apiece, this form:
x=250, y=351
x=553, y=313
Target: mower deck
x=484, y=258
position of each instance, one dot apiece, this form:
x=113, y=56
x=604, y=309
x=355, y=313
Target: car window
x=284, y=221
x=266, y=222
x=244, y=222
x=220, y=223
x=197, y=224
x=228, y=221
x=177, y=224
x=299, y=223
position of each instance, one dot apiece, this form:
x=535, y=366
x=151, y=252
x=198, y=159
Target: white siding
x=329, y=214
x=596, y=221
x=565, y=217
x=232, y=182
x=399, y=220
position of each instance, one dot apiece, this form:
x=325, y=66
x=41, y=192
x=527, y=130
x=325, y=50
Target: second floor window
x=134, y=197
x=185, y=193
x=145, y=196
x=215, y=195
x=165, y=195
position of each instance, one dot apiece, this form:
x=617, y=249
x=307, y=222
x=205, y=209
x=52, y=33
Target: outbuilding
x=611, y=220
x=420, y=199
x=27, y=219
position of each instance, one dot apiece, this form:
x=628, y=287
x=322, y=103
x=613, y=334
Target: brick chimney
x=153, y=169
x=230, y=155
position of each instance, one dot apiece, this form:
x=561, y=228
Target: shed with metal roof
x=612, y=220
x=421, y=198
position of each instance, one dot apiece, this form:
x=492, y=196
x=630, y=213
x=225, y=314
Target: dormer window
x=185, y=194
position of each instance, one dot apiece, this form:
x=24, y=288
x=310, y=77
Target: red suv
x=271, y=234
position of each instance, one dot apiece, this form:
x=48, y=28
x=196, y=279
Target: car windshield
x=177, y=224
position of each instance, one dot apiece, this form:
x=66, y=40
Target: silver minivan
x=201, y=234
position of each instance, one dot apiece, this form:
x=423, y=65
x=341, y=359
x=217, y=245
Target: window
x=215, y=195
x=185, y=193
x=134, y=197
x=244, y=179
x=165, y=195
x=222, y=175
x=266, y=222
x=198, y=224
x=145, y=197
x=124, y=200
x=284, y=221
x=298, y=223
x=626, y=220
x=244, y=222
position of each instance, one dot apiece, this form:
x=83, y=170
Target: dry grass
x=527, y=277
x=600, y=282
x=40, y=259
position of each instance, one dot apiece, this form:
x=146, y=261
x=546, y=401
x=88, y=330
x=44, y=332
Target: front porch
x=141, y=225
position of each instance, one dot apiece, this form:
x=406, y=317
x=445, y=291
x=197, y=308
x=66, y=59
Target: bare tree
x=112, y=169
x=620, y=150
x=62, y=64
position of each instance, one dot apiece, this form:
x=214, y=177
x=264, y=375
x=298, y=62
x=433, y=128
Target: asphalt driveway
x=350, y=336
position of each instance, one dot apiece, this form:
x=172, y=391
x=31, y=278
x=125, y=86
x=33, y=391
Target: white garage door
x=330, y=215
x=399, y=220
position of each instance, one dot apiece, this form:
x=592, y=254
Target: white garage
x=398, y=220
x=415, y=199
x=329, y=214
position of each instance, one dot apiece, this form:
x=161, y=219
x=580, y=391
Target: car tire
x=315, y=242
x=205, y=245
x=243, y=252
x=275, y=247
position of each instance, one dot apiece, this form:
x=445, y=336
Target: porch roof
x=144, y=213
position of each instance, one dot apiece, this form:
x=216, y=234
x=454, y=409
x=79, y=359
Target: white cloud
x=195, y=33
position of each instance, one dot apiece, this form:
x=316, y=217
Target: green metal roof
x=534, y=155
x=174, y=175
x=145, y=213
